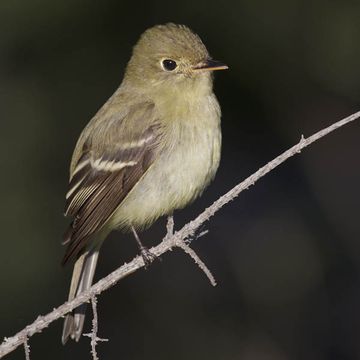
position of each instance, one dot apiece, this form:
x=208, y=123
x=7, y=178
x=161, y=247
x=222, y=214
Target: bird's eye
x=169, y=65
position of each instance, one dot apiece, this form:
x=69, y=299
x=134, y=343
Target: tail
x=82, y=278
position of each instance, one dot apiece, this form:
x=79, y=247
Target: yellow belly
x=175, y=179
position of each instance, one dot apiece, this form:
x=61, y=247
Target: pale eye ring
x=168, y=64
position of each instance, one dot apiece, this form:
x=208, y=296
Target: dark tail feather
x=82, y=277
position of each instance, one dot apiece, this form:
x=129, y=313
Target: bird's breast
x=186, y=164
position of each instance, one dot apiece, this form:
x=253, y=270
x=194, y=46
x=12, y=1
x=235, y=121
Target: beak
x=210, y=65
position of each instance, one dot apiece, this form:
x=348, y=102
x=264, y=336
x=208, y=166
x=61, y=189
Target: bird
x=151, y=149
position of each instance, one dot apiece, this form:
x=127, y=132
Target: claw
x=148, y=256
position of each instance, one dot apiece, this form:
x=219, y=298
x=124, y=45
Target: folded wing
x=106, y=171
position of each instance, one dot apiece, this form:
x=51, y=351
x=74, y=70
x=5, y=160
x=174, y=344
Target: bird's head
x=170, y=56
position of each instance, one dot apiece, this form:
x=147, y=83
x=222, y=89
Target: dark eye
x=169, y=65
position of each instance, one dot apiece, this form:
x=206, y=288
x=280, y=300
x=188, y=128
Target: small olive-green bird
x=152, y=148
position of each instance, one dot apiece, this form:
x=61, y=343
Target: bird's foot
x=148, y=256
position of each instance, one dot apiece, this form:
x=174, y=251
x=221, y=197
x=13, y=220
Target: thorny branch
x=27, y=350
x=94, y=331
x=183, y=244
x=181, y=238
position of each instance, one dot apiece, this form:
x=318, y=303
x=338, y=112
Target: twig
x=27, y=349
x=183, y=244
x=169, y=242
x=93, y=335
x=169, y=226
x=198, y=261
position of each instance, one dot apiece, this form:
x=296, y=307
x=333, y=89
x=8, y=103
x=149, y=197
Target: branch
x=27, y=350
x=187, y=249
x=93, y=335
x=178, y=239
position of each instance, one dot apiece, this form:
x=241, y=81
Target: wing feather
x=102, y=179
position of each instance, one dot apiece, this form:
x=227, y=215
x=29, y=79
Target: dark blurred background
x=286, y=253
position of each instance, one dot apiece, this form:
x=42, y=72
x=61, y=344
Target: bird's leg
x=147, y=255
